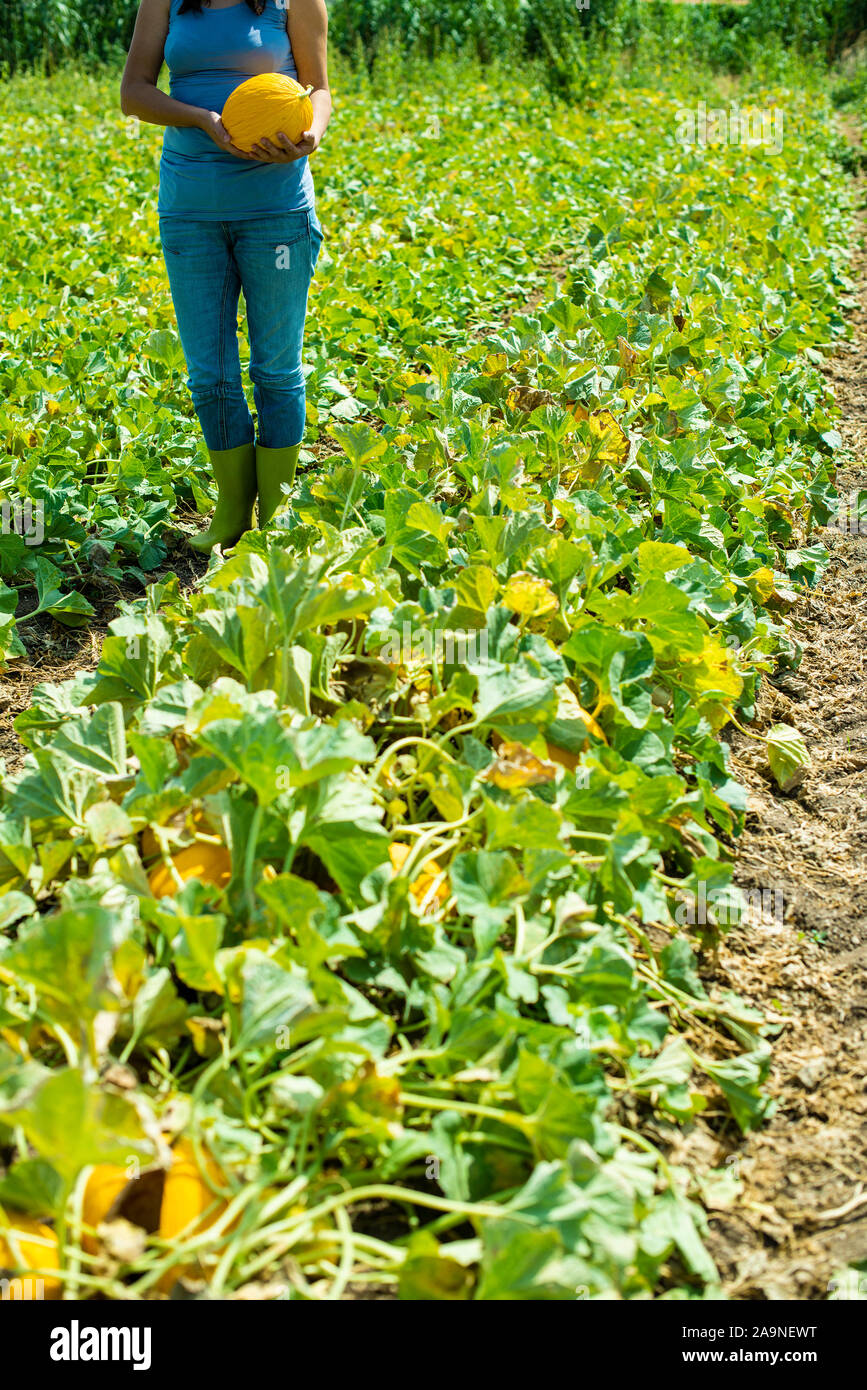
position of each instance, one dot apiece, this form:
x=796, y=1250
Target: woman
x=231, y=221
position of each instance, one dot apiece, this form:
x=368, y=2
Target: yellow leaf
x=528, y=398
x=628, y=358
x=13, y=1040
x=496, y=363
x=600, y=441
x=516, y=766
x=570, y=710
x=205, y=1032
x=529, y=596
x=607, y=438
x=761, y=584
x=374, y=1093
x=563, y=756
x=712, y=672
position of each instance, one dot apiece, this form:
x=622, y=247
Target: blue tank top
x=208, y=56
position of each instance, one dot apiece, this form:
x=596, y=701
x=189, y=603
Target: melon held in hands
x=264, y=106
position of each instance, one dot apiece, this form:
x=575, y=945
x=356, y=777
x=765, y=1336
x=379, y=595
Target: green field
x=451, y=743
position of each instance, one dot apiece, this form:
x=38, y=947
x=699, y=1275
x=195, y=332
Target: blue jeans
x=272, y=259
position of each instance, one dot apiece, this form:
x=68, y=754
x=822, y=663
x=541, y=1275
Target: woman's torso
x=208, y=55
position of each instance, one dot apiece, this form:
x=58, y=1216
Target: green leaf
x=788, y=756
x=69, y=958
x=158, y=1014
x=486, y=885
x=428, y=1275
x=518, y=693
x=740, y=1079
x=33, y=1186
x=273, y=999
x=194, y=950
x=359, y=442
x=672, y=1224
x=72, y=1123
x=164, y=347
x=619, y=664
x=72, y=610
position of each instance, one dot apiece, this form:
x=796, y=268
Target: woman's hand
x=213, y=126
x=286, y=152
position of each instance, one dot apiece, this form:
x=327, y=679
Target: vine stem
x=466, y=1107
x=383, y=1255
x=412, y=859
x=520, y=931
x=389, y=1193
x=409, y=742
x=746, y=732
x=250, y=858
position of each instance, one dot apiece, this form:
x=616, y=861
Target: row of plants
x=461, y=225
x=348, y=908
x=95, y=421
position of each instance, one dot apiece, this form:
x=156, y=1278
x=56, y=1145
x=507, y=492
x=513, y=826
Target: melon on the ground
x=30, y=1245
x=209, y=863
x=188, y=1204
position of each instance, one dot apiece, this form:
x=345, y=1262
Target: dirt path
x=801, y=1215
x=56, y=653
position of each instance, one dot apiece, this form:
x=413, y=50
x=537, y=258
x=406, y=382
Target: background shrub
x=556, y=33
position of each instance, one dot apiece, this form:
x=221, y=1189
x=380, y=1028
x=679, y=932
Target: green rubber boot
x=273, y=468
x=235, y=475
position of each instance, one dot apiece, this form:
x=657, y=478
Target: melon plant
x=424, y=956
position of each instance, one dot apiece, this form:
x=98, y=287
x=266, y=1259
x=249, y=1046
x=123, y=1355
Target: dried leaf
x=516, y=766
x=122, y=1240
x=527, y=399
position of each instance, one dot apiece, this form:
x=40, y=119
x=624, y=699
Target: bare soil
x=56, y=653
x=802, y=1213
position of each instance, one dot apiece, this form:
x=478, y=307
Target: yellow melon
x=186, y=1200
x=264, y=106
x=104, y=1185
x=27, y=1244
x=206, y=862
